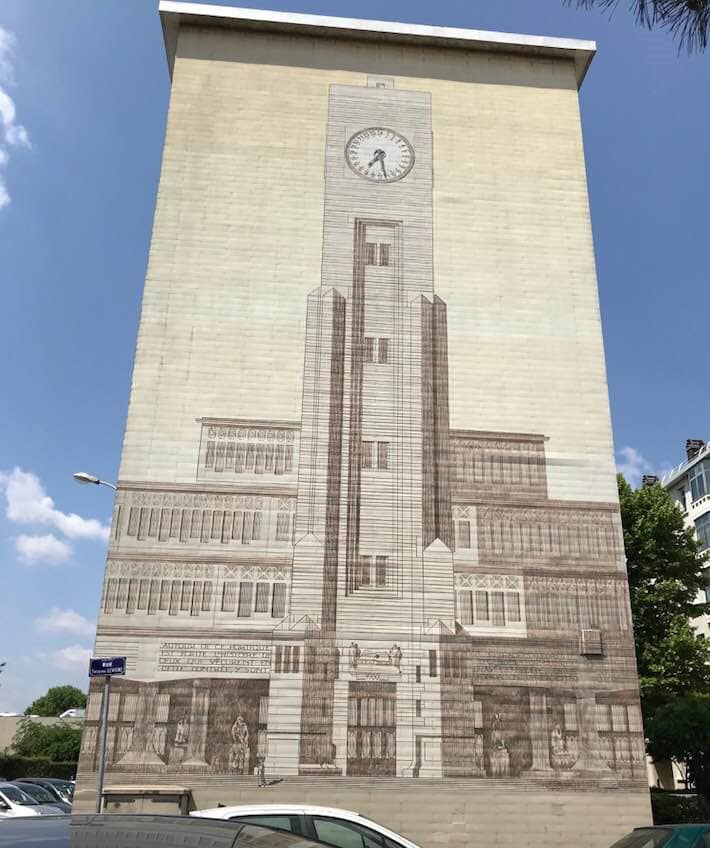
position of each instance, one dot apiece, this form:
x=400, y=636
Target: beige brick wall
x=237, y=246
x=434, y=815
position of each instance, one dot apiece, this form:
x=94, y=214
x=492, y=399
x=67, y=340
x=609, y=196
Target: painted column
x=197, y=740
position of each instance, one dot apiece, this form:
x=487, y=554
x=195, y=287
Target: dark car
x=62, y=790
x=100, y=831
x=43, y=796
x=667, y=836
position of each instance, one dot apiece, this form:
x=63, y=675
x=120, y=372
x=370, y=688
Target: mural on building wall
x=365, y=591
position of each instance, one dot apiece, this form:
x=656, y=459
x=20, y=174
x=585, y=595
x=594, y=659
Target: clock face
x=379, y=154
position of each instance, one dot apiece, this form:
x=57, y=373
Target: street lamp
x=83, y=477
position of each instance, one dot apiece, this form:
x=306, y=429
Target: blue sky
x=89, y=86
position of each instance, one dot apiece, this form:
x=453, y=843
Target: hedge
x=678, y=807
x=13, y=767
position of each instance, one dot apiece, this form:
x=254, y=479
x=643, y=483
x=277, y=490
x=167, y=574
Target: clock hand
x=378, y=157
x=382, y=163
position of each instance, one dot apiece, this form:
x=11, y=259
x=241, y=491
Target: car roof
x=140, y=831
x=301, y=809
x=684, y=826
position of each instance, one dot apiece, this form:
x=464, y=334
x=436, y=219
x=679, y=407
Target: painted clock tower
x=372, y=587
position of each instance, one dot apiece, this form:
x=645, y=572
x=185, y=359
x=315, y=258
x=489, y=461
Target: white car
x=14, y=803
x=327, y=825
x=74, y=712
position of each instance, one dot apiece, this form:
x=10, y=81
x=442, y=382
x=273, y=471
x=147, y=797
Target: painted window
x=463, y=533
x=490, y=601
x=367, y=454
x=383, y=351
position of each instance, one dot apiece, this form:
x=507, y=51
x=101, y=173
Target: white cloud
x=71, y=658
x=7, y=46
x=32, y=549
x=11, y=133
x=65, y=621
x=633, y=465
x=28, y=503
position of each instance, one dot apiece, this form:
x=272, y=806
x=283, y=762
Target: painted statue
x=182, y=732
x=239, y=751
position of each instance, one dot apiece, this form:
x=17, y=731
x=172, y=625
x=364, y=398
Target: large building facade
x=689, y=484
x=366, y=532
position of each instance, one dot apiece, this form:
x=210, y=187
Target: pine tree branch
x=688, y=21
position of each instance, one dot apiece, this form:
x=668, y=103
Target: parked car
x=74, y=712
x=98, y=831
x=325, y=825
x=63, y=790
x=14, y=803
x=43, y=796
x=667, y=836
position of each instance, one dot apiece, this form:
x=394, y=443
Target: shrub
x=13, y=767
x=678, y=807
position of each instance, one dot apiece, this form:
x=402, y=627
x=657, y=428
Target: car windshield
x=65, y=787
x=644, y=837
x=17, y=796
x=41, y=796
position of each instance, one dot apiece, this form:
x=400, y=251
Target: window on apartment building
x=700, y=480
x=370, y=253
x=702, y=530
x=384, y=256
x=369, y=349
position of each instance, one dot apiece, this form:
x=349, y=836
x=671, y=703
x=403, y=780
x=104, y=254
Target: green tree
x=665, y=569
x=687, y=20
x=58, y=742
x=56, y=700
x=680, y=731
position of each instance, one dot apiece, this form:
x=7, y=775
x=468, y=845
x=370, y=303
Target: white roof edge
x=579, y=51
x=684, y=467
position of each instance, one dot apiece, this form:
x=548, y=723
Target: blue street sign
x=107, y=666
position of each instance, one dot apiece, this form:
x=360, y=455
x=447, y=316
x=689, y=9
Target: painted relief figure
x=182, y=733
x=239, y=751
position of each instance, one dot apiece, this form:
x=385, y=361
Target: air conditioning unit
x=590, y=643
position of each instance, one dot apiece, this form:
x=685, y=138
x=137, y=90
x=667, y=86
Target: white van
x=15, y=803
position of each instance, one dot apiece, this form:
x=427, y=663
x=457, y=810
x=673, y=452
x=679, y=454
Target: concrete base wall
x=434, y=814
